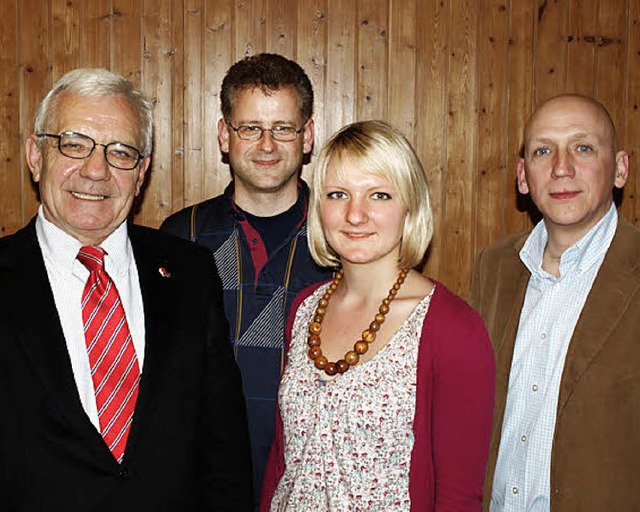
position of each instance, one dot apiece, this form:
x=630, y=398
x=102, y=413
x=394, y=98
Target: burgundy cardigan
x=454, y=409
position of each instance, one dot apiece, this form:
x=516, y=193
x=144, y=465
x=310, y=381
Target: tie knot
x=92, y=257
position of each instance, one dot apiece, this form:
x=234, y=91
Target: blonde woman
x=385, y=403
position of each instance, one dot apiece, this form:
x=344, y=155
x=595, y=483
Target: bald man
x=562, y=306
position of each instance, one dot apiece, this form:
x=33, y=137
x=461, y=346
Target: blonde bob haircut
x=382, y=151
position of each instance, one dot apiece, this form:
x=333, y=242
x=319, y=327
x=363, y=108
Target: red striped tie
x=112, y=356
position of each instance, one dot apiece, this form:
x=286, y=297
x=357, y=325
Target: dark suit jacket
x=595, y=461
x=188, y=445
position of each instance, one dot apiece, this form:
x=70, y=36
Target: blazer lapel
x=616, y=283
x=157, y=286
x=512, y=277
x=42, y=341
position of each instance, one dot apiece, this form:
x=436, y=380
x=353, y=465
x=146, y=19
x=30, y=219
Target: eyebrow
x=572, y=138
x=255, y=122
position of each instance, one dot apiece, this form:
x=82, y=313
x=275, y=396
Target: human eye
x=584, y=148
x=540, y=151
x=74, y=144
x=250, y=129
x=379, y=195
x=284, y=130
x=119, y=150
x=336, y=194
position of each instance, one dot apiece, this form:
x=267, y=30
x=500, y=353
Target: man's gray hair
x=96, y=83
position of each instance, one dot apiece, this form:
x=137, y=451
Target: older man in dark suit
x=118, y=388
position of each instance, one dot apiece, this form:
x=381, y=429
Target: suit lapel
x=512, y=277
x=42, y=341
x=617, y=282
x=157, y=286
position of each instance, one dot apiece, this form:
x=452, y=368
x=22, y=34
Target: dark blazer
x=595, y=460
x=188, y=445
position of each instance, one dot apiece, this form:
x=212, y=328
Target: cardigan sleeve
x=275, y=462
x=457, y=370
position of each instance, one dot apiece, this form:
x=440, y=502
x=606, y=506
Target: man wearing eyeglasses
x=118, y=388
x=257, y=228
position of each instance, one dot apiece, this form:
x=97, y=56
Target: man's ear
x=622, y=169
x=308, y=135
x=223, y=136
x=523, y=188
x=34, y=156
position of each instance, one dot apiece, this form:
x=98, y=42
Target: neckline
x=355, y=370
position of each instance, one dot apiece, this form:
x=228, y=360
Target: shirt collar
x=581, y=255
x=61, y=249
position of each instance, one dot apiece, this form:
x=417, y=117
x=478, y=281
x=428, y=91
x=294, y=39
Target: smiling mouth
x=88, y=197
x=357, y=235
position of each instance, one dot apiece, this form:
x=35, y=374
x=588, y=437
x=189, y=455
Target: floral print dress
x=348, y=439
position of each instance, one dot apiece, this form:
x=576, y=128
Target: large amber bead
x=314, y=352
x=341, y=366
x=321, y=362
x=368, y=336
x=330, y=369
x=361, y=347
x=313, y=340
x=352, y=357
x=315, y=328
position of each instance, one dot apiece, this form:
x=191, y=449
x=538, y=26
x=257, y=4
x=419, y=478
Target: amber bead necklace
x=361, y=346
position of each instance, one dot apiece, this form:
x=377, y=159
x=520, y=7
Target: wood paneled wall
x=458, y=77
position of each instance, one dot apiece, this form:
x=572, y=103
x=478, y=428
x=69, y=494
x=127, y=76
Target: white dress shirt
x=67, y=277
x=548, y=318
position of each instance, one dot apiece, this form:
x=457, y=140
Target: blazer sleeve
x=457, y=367
x=275, y=462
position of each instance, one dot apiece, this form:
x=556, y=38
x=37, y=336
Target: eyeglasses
x=279, y=133
x=79, y=146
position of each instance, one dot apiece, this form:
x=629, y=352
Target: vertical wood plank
x=95, y=33
x=492, y=172
x=520, y=96
x=65, y=33
x=431, y=115
x=218, y=48
x=611, y=75
x=35, y=80
x=372, y=77
x=193, y=109
x=631, y=125
x=281, y=22
x=126, y=39
x=177, y=108
x=341, y=67
x=249, y=28
x=311, y=55
x=550, y=50
x=157, y=73
x=581, y=55
x=12, y=173
x=462, y=100
x=402, y=63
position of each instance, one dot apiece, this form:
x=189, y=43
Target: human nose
x=95, y=167
x=356, y=212
x=266, y=142
x=563, y=165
